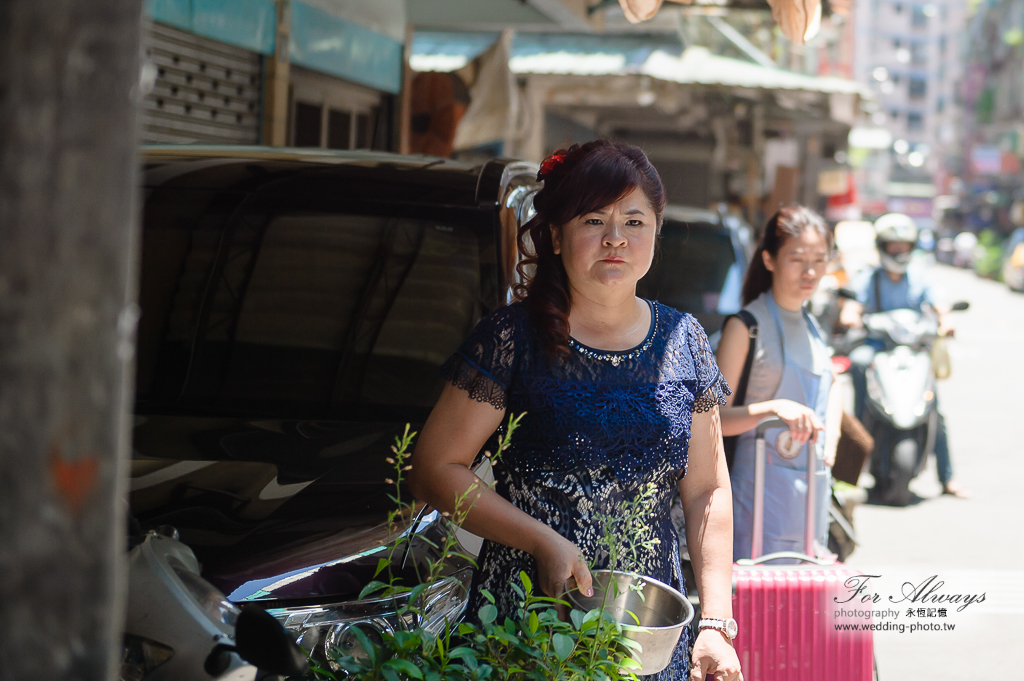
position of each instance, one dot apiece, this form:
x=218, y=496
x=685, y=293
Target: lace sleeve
x=712, y=388
x=482, y=366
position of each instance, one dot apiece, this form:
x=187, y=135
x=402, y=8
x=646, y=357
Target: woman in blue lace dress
x=621, y=396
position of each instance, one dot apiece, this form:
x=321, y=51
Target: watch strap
x=716, y=624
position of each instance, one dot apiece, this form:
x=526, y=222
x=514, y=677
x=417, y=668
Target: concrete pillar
x=276, y=81
x=69, y=96
x=811, y=143
x=752, y=200
x=405, y=98
x=532, y=109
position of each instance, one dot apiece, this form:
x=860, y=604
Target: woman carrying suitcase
x=790, y=377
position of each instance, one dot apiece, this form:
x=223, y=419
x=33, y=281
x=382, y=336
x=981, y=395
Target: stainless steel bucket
x=662, y=612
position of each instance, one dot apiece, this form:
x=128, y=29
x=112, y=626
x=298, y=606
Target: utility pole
x=69, y=79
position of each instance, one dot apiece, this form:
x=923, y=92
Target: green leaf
x=630, y=643
x=318, y=670
x=577, y=618
x=441, y=640
x=381, y=564
x=416, y=592
x=533, y=622
x=389, y=674
x=504, y=636
x=367, y=645
x=488, y=613
x=403, y=666
x=527, y=583
x=371, y=588
x=462, y=652
x=487, y=594
x=563, y=646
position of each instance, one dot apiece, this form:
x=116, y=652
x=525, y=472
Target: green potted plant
x=535, y=644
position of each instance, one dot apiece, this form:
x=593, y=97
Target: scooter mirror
x=261, y=641
x=961, y=306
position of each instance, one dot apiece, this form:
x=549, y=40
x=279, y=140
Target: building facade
x=910, y=55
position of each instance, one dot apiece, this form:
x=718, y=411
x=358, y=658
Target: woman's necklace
x=617, y=358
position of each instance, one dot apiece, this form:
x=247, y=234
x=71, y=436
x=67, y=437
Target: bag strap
x=740, y=394
x=750, y=321
x=876, y=280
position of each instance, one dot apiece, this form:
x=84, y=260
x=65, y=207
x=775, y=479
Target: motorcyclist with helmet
x=895, y=284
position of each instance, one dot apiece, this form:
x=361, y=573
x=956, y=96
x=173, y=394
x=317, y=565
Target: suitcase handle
x=766, y=425
x=790, y=555
x=757, y=540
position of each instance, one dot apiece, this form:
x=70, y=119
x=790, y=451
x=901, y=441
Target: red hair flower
x=549, y=164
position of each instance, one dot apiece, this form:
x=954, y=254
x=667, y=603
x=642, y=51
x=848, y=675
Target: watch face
x=731, y=628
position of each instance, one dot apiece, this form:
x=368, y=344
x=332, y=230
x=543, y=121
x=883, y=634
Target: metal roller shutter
x=205, y=91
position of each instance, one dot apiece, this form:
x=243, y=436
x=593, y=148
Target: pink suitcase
x=786, y=613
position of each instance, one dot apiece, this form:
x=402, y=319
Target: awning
x=594, y=55
x=698, y=65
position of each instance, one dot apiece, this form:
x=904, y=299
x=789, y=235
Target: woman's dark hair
x=789, y=222
x=578, y=180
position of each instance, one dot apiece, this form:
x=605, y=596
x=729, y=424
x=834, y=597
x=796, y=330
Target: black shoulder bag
x=740, y=393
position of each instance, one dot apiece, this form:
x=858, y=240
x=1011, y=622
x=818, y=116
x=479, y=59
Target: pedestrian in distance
x=621, y=397
x=789, y=377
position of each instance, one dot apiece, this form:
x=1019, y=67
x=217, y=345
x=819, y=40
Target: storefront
x=204, y=67
x=214, y=68
x=719, y=129
x=345, y=77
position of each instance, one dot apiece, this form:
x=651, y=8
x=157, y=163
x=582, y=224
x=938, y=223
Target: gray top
x=766, y=370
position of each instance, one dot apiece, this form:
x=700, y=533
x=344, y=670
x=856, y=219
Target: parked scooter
x=179, y=627
x=894, y=351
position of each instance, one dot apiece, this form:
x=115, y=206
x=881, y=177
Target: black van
x=296, y=308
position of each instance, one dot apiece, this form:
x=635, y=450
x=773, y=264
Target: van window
x=696, y=271
x=308, y=315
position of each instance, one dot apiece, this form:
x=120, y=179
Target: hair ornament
x=549, y=164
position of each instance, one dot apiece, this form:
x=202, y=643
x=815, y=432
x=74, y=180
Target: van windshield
x=303, y=314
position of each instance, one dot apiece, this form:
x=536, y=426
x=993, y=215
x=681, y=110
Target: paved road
x=974, y=546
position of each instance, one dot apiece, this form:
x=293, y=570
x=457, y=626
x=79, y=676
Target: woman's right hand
x=558, y=559
x=802, y=421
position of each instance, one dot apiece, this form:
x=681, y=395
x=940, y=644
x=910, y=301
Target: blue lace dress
x=599, y=428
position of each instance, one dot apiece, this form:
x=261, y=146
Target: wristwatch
x=727, y=626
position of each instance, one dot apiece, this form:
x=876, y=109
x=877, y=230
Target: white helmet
x=895, y=228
